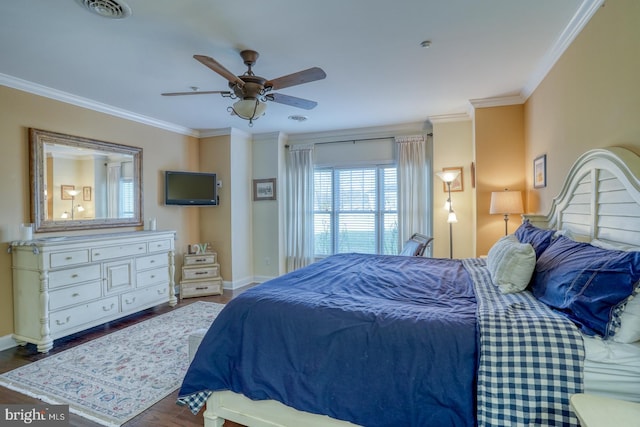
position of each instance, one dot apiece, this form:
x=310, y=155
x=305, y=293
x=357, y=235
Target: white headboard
x=600, y=198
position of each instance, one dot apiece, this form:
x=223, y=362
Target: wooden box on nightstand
x=200, y=275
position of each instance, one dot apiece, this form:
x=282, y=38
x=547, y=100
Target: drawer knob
x=69, y=258
x=152, y=261
x=153, y=276
x=74, y=276
x=97, y=254
x=75, y=294
x=130, y=301
x=108, y=308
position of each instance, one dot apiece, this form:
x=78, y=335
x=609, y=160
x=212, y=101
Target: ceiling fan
x=254, y=91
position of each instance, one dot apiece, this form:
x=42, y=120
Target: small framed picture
x=64, y=191
x=264, y=189
x=540, y=171
x=456, y=184
x=86, y=194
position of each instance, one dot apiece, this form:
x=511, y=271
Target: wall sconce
x=506, y=202
x=448, y=177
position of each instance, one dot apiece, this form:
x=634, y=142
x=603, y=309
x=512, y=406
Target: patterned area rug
x=114, y=378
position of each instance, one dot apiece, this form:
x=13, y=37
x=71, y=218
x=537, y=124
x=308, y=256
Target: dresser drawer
x=71, y=276
x=79, y=315
x=151, y=261
x=190, y=289
x=73, y=295
x=119, y=251
x=151, y=277
x=159, y=245
x=131, y=301
x=190, y=260
x=200, y=272
x=63, y=259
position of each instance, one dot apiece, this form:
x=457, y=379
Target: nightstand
x=200, y=275
x=597, y=411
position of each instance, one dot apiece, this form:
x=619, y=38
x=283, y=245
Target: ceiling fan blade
x=196, y=92
x=305, y=76
x=219, y=68
x=291, y=100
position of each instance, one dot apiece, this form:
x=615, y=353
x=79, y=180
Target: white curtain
x=299, y=211
x=413, y=215
x=113, y=187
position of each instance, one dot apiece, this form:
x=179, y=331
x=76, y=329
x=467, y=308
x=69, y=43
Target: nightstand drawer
x=190, y=260
x=203, y=272
x=200, y=288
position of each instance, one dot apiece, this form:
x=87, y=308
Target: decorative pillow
x=539, y=238
x=629, y=330
x=511, y=264
x=614, y=246
x=587, y=284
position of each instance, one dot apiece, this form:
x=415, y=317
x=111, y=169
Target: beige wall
x=161, y=150
x=452, y=147
x=215, y=156
x=589, y=99
x=499, y=146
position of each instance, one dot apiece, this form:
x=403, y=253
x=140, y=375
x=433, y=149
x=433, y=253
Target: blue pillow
x=539, y=238
x=586, y=283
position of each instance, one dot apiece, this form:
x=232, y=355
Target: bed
x=388, y=340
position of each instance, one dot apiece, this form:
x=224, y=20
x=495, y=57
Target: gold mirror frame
x=39, y=194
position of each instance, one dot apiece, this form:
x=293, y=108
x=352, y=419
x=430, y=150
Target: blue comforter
x=375, y=340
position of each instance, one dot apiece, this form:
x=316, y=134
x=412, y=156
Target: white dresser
x=65, y=285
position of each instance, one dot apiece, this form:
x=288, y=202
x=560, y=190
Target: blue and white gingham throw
x=531, y=358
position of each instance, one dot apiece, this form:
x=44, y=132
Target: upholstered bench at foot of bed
x=195, y=338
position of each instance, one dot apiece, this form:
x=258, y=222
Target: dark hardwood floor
x=165, y=413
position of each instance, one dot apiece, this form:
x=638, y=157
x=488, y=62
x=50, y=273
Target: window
x=355, y=210
x=126, y=198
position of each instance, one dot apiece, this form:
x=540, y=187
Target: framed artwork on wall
x=264, y=189
x=540, y=171
x=456, y=184
x=86, y=194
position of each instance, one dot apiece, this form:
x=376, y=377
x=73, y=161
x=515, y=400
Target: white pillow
x=511, y=264
x=603, y=244
x=629, y=330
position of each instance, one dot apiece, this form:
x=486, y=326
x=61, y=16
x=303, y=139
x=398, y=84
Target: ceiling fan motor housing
x=252, y=89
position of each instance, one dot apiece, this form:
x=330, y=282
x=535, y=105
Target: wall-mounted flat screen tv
x=190, y=188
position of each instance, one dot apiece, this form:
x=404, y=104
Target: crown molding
x=47, y=92
x=585, y=12
x=497, y=101
x=446, y=118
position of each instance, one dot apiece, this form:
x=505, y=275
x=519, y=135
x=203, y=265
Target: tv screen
x=190, y=188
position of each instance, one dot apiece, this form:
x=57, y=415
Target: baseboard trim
x=7, y=342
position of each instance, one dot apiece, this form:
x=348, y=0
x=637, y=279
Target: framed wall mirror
x=80, y=183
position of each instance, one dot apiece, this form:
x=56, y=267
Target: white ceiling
x=377, y=72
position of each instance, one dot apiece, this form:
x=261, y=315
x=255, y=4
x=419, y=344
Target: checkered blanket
x=531, y=358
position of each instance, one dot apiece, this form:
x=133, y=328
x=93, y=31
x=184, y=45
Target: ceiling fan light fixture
x=249, y=109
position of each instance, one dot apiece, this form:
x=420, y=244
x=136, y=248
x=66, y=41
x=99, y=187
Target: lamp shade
x=249, y=108
x=506, y=202
x=448, y=176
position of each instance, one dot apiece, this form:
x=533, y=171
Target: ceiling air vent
x=107, y=8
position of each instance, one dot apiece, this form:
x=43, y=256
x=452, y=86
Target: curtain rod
x=352, y=140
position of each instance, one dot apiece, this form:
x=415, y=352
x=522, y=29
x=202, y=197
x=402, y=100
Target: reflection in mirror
x=80, y=183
